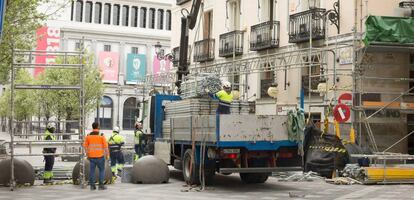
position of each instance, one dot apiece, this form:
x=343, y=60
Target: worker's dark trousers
x=49, y=162
x=223, y=108
x=139, y=150
x=93, y=163
x=116, y=157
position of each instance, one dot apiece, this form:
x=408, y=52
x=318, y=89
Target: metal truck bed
x=227, y=128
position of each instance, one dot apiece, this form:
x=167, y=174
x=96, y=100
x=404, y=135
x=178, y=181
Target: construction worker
x=138, y=140
x=96, y=149
x=115, y=143
x=225, y=97
x=49, y=159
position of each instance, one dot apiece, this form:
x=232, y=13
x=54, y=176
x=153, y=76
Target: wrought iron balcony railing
x=264, y=36
x=299, y=25
x=176, y=55
x=229, y=42
x=204, y=50
x=179, y=2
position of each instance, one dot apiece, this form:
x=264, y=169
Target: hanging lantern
x=236, y=94
x=272, y=91
x=322, y=88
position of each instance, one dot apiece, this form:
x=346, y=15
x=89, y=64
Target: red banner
x=48, y=39
x=108, y=65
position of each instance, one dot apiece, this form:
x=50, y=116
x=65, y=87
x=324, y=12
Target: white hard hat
x=51, y=125
x=226, y=84
x=116, y=129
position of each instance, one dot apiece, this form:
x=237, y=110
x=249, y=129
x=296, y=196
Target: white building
x=272, y=39
x=117, y=28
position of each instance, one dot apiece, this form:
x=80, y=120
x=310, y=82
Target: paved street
x=226, y=187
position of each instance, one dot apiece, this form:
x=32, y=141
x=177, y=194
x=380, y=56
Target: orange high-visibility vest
x=95, y=146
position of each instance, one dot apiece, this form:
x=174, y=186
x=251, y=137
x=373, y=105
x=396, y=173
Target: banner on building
x=109, y=65
x=136, y=68
x=161, y=65
x=48, y=39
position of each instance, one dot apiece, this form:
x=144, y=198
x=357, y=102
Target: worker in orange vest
x=96, y=149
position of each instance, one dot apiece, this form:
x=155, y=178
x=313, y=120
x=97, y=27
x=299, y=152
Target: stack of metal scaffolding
x=23, y=59
x=240, y=107
x=200, y=86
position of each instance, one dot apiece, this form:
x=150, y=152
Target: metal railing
x=265, y=35
x=204, y=50
x=176, y=55
x=299, y=25
x=180, y=2
x=231, y=42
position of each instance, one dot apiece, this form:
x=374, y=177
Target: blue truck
x=189, y=135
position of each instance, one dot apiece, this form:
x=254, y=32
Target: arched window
x=105, y=113
x=130, y=114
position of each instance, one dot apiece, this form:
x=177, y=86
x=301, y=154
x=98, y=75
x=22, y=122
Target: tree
x=21, y=21
x=64, y=104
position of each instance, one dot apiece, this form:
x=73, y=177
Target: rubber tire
x=193, y=178
x=251, y=178
x=209, y=173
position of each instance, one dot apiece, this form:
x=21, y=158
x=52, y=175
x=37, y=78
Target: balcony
x=229, y=42
x=180, y=2
x=264, y=36
x=299, y=25
x=176, y=55
x=204, y=50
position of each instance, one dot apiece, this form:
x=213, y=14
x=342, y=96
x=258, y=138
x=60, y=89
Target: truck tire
x=250, y=178
x=193, y=177
x=209, y=173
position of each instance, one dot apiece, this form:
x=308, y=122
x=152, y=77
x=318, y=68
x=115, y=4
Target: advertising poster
x=109, y=65
x=161, y=66
x=48, y=39
x=136, y=68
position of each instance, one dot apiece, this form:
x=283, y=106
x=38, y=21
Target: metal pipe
x=398, y=142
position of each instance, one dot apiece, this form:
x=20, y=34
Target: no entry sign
x=342, y=113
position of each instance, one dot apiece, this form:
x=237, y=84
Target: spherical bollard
x=23, y=172
x=75, y=173
x=150, y=170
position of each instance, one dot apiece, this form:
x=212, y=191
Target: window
x=134, y=50
x=315, y=70
x=160, y=19
x=266, y=8
x=77, y=46
x=98, y=13
x=130, y=113
x=107, y=13
x=143, y=18
x=266, y=80
x=88, y=12
x=234, y=14
x=125, y=15
x=151, y=18
x=207, y=25
x=168, y=20
x=79, y=11
x=134, y=16
x=116, y=15
x=107, y=47
x=105, y=113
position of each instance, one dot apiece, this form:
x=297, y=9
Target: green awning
x=393, y=30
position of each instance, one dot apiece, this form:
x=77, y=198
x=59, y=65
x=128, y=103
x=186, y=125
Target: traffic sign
x=345, y=98
x=342, y=112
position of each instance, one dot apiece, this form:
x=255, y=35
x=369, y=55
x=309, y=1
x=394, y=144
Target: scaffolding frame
x=23, y=59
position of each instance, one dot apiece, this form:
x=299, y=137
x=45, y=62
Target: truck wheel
x=193, y=177
x=209, y=173
x=254, y=177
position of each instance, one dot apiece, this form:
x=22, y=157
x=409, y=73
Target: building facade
x=313, y=51
x=122, y=35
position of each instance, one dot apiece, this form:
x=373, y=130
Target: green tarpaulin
x=389, y=30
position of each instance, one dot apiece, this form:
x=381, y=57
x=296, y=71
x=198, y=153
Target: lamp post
x=118, y=94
